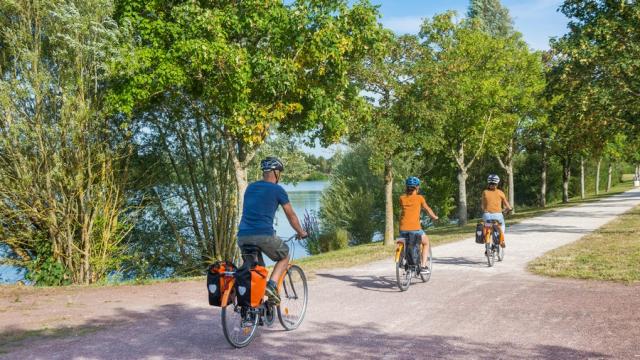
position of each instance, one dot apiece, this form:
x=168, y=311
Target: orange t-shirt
x=410, y=217
x=492, y=200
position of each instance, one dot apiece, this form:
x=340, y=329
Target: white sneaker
x=425, y=270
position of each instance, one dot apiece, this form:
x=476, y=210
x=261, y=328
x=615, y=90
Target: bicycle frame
x=488, y=227
x=400, y=248
x=229, y=277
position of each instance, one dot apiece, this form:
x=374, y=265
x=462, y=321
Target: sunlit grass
x=610, y=253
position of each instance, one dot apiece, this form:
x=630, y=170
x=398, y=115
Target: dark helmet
x=412, y=181
x=493, y=179
x=271, y=163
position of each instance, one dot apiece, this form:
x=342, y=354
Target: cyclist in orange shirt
x=493, y=200
x=411, y=203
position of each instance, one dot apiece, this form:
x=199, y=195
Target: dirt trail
x=467, y=310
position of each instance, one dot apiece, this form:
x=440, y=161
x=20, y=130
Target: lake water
x=304, y=196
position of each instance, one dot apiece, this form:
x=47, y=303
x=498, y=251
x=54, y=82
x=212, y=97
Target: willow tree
x=470, y=85
x=250, y=66
x=62, y=164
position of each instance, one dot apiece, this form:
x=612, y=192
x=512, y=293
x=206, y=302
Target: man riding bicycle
x=493, y=200
x=261, y=200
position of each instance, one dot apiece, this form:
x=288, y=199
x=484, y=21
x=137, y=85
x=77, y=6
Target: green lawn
x=610, y=253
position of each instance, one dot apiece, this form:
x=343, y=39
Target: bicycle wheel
x=403, y=274
x=239, y=324
x=500, y=252
x=426, y=277
x=490, y=255
x=293, y=298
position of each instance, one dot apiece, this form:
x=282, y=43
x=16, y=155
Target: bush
x=334, y=240
x=354, y=199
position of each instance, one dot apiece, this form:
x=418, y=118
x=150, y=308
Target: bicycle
x=239, y=323
x=405, y=272
x=491, y=234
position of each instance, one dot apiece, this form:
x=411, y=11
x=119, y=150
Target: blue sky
x=537, y=20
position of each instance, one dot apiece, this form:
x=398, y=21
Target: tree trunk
x=241, y=181
x=388, y=203
x=512, y=189
x=543, y=179
x=609, y=172
x=462, y=196
x=566, y=176
x=598, y=176
x=581, y=177
x=507, y=165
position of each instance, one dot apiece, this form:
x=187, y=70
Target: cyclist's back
x=261, y=200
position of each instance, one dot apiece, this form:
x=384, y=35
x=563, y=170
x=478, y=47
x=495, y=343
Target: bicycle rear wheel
x=426, y=277
x=403, y=274
x=239, y=324
x=491, y=257
x=293, y=298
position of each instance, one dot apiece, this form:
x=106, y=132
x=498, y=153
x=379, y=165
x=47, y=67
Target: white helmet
x=493, y=179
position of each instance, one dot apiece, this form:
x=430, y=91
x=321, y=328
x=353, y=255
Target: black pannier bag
x=216, y=281
x=251, y=278
x=479, y=233
x=412, y=251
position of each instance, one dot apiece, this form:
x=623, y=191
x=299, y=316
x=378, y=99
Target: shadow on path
x=367, y=282
x=460, y=261
x=179, y=332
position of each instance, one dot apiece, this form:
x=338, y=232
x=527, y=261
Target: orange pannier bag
x=217, y=282
x=251, y=283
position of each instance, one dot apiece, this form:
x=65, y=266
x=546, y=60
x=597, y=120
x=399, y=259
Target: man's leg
x=277, y=251
x=279, y=269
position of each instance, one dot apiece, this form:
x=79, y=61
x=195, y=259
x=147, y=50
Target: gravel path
x=466, y=311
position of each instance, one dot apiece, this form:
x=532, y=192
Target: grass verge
x=610, y=253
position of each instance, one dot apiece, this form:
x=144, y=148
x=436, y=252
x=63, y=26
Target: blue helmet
x=412, y=181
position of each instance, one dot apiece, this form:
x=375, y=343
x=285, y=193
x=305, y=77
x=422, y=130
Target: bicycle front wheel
x=239, y=324
x=294, y=295
x=403, y=275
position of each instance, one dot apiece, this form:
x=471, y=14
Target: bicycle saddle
x=252, y=254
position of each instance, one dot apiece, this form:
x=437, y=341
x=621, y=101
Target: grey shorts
x=271, y=245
